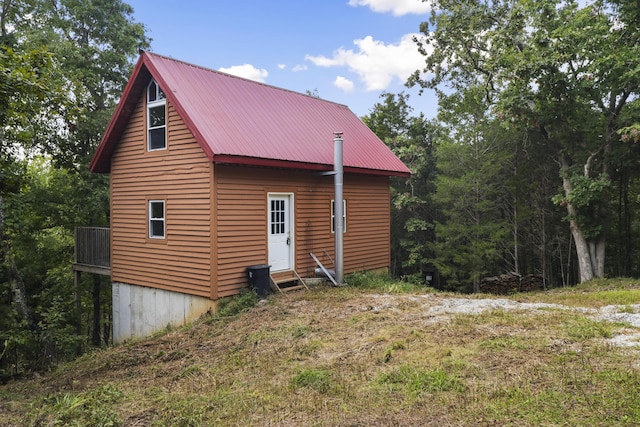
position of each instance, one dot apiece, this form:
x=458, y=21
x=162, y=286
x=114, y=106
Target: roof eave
x=287, y=164
x=143, y=70
x=101, y=160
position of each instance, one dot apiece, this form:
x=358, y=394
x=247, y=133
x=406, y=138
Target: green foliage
x=236, y=304
x=382, y=282
x=94, y=44
x=389, y=351
x=473, y=227
x=630, y=133
x=588, y=196
x=63, y=65
x=23, y=88
x=38, y=226
x=412, y=139
x=586, y=190
x=562, y=72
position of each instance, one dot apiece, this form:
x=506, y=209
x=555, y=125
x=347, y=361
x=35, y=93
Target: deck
x=92, y=250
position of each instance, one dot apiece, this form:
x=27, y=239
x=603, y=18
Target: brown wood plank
x=244, y=188
x=182, y=176
x=238, y=229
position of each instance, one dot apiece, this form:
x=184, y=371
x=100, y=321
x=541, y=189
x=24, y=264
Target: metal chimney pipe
x=338, y=206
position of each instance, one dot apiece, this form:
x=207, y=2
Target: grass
x=95, y=407
x=418, y=382
x=369, y=354
x=315, y=379
x=594, y=294
x=235, y=305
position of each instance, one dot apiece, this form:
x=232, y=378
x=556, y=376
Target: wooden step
x=285, y=281
x=292, y=288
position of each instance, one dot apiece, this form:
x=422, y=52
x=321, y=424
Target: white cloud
x=247, y=71
x=375, y=62
x=397, y=7
x=299, y=67
x=343, y=83
x=282, y=66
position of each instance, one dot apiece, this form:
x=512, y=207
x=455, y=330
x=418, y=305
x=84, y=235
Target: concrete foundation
x=139, y=311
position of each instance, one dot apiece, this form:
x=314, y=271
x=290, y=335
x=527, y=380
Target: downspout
x=338, y=206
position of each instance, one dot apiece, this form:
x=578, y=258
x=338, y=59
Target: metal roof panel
x=234, y=117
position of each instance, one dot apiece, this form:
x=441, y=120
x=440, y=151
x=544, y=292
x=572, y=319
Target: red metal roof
x=240, y=121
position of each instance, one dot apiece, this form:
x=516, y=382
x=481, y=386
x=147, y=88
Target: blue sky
x=350, y=51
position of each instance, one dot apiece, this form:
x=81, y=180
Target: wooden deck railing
x=92, y=250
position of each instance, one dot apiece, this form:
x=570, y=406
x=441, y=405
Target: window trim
x=344, y=216
x=160, y=101
x=151, y=219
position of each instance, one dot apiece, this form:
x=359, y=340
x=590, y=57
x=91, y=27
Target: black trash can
x=259, y=279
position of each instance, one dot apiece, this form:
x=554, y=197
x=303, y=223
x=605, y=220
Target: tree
x=625, y=181
x=473, y=230
x=565, y=72
x=64, y=64
x=93, y=43
x=38, y=228
x=412, y=139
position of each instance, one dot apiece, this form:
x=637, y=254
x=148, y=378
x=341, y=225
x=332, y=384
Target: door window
x=277, y=217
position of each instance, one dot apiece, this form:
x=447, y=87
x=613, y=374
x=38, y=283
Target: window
x=156, y=118
x=277, y=217
x=156, y=219
x=344, y=216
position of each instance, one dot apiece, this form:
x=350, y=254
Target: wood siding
x=181, y=175
x=207, y=250
x=241, y=222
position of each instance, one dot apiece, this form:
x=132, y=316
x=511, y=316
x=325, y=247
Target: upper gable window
x=156, y=118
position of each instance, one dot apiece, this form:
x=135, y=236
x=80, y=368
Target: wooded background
x=530, y=168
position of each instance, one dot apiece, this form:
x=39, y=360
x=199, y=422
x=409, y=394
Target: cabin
x=211, y=174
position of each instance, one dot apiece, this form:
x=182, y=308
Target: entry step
x=285, y=281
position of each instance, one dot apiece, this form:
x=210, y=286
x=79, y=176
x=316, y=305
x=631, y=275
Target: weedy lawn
x=379, y=353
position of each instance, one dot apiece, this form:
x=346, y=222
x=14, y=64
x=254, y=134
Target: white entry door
x=280, y=235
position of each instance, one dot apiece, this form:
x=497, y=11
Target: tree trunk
x=590, y=252
x=598, y=248
x=625, y=249
x=585, y=266
x=20, y=293
x=543, y=247
x=17, y=284
x=516, y=243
